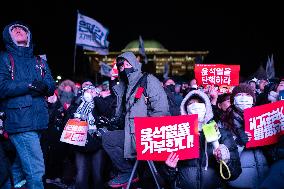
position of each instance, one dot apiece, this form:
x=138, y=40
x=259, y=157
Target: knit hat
x=242, y=88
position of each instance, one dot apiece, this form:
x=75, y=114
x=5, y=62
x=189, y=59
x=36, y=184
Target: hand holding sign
x=172, y=160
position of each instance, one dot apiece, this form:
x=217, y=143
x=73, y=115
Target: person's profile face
x=224, y=105
x=253, y=85
x=19, y=35
x=262, y=84
x=125, y=64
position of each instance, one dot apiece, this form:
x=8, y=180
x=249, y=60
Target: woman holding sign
x=254, y=164
x=216, y=146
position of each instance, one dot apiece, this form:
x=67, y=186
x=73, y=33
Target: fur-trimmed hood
x=11, y=45
x=66, y=83
x=204, y=97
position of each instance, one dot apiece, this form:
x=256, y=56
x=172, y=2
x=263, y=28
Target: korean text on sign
x=216, y=74
x=169, y=138
x=265, y=123
x=157, y=137
x=75, y=132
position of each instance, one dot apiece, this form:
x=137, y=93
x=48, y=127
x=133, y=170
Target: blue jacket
x=23, y=112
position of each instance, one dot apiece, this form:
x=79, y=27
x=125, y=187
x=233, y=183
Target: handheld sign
x=75, y=132
x=157, y=137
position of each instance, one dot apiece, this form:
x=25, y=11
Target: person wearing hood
x=66, y=92
x=203, y=172
x=174, y=98
x=89, y=159
x=253, y=161
x=120, y=144
x=25, y=81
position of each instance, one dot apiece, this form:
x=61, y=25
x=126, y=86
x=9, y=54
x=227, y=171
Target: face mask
x=88, y=97
x=66, y=97
x=272, y=96
x=197, y=108
x=243, y=102
x=123, y=75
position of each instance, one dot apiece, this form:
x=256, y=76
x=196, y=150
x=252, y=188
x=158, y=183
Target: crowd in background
x=108, y=156
x=69, y=165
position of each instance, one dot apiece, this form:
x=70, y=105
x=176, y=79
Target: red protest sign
x=157, y=137
x=221, y=75
x=264, y=123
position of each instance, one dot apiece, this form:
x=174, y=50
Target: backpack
x=11, y=64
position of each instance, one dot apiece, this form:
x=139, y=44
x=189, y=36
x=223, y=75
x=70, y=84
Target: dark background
x=233, y=33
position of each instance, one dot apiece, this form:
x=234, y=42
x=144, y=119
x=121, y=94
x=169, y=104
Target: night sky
x=232, y=33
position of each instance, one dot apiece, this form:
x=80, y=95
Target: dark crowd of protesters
x=34, y=112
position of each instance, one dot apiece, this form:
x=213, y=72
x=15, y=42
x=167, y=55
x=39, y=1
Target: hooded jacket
x=157, y=102
x=24, y=112
x=203, y=172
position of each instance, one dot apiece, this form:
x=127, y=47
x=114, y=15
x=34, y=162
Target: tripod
x=154, y=172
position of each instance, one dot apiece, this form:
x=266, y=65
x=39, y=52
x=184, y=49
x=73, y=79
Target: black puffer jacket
x=204, y=172
x=253, y=161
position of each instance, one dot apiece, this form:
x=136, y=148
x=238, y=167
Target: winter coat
x=275, y=152
x=203, y=172
x=157, y=102
x=24, y=112
x=105, y=106
x=253, y=162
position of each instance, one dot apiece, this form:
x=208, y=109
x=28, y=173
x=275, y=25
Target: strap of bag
x=142, y=82
x=40, y=66
x=11, y=66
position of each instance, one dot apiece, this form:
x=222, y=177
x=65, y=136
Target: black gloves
x=38, y=88
x=114, y=123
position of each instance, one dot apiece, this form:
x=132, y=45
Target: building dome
x=149, y=45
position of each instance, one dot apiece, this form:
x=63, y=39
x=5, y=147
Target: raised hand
x=172, y=160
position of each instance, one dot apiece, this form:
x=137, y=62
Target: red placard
x=221, y=75
x=75, y=132
x=264, y=123
x=157, y=137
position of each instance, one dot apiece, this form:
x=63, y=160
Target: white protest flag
x=91, y=34
x=105, y=69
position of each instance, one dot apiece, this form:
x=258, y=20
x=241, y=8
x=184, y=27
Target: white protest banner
x=90, y=33
x=75, y=132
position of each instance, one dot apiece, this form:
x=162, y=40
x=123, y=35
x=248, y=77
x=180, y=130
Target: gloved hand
x=38, y=88
x=102, y=122
x=222, y=153
x=111, y=124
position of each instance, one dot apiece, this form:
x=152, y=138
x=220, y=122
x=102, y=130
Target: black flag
x=270, y=71
x=142, y=50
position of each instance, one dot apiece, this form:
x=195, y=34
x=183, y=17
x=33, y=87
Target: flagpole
x=75, y=47
x=74, y=59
